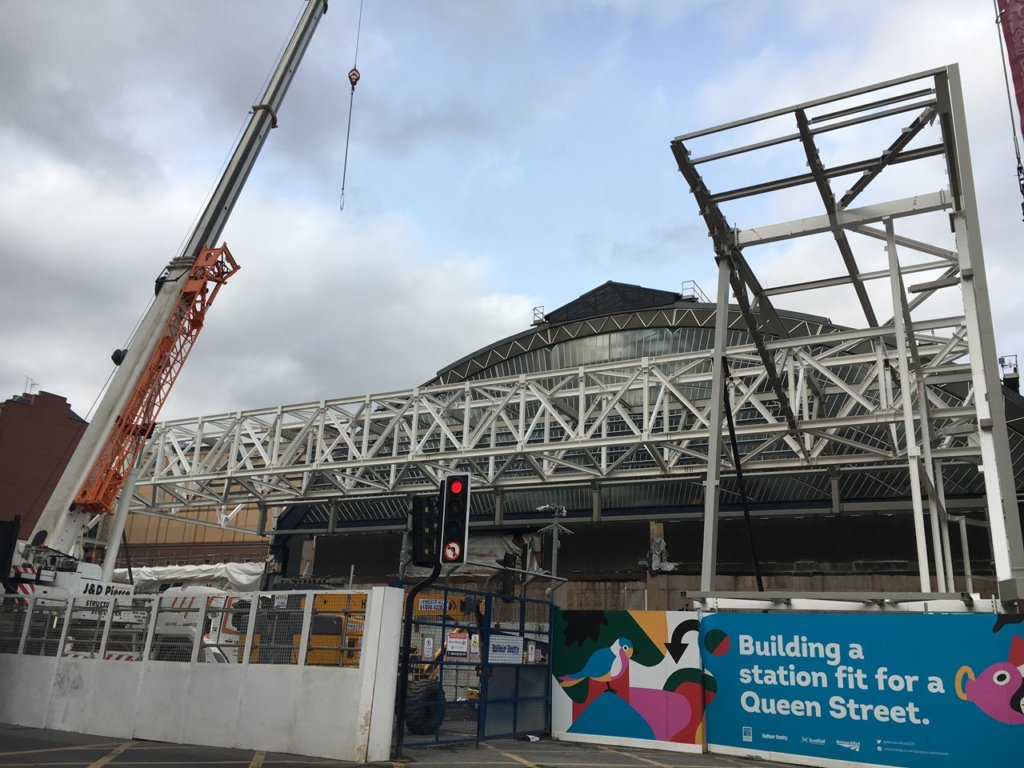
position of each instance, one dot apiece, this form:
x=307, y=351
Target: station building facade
x=639, y=544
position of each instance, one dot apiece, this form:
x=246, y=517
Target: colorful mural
x=861, y=689
x=630, y=675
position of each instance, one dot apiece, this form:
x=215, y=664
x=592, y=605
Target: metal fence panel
x=308, y=628
x=517, y=701
x=336, y=630
x=479, y=667
x=45, y=627
x=177, y=628
x=227, y=620
x=86, y=626
x=278, y=630
x=129, y=626
x=13, y=615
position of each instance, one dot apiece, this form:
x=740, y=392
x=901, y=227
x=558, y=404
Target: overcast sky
x=504, y=155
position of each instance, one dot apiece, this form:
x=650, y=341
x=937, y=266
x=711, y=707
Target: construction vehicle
x=98, y=479
x=178, y=622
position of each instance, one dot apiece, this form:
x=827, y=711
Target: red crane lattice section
x=131, y=429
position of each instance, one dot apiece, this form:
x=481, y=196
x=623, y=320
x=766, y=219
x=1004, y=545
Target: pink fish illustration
x=999, y=690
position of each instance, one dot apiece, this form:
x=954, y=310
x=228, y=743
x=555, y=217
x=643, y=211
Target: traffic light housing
x=425, y=531
x=454, y=520
x=508, y=578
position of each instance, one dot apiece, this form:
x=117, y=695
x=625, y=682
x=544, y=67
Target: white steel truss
x=909, y=394
x=625, y=422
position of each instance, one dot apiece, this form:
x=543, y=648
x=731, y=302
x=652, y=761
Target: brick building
x=38, y=434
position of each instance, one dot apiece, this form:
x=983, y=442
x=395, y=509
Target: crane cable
x=1009, y=100
x=353, y=78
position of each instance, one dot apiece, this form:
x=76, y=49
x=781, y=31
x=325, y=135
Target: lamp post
x=556, y=528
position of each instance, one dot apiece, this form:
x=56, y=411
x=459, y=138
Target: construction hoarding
x=862, y=689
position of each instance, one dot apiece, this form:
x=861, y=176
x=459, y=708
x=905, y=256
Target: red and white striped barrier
x=109, y=656
x=25, y=577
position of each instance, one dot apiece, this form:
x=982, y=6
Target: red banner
x=1011, y=17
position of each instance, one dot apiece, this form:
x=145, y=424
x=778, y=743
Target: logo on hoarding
x=854, y=746
x=748, y=733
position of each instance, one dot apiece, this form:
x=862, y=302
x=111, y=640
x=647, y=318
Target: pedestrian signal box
x=454, y=519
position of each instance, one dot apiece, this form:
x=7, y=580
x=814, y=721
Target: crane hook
x=353, y=77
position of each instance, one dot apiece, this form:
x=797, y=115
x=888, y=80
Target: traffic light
x=508, y=578
x=454, y=519
x=424, y=533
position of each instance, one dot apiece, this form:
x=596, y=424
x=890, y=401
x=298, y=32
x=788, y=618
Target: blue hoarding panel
x=889, y=689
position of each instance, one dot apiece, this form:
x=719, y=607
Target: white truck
x=178, y=620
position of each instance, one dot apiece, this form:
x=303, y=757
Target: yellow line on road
x=510, y=756
x=103, y=745
x=447, y=761
x=635, y=757
x=654, y=762
x=257, y=760
x=179, y=762
x=110, y=756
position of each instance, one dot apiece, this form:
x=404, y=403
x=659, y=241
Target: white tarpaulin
x=236, y=577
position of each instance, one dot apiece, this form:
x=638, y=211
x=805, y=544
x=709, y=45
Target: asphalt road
x=24, y=747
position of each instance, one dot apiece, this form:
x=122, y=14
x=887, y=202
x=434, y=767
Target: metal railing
x=295, y=628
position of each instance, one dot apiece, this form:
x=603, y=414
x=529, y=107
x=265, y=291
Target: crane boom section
x=135, y=423
x=62, y=520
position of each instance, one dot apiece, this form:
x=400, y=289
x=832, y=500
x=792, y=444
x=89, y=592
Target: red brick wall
x=38, y=434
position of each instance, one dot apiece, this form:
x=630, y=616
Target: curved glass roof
x=613, y=322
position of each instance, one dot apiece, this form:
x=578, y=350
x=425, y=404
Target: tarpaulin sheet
x=238, y=577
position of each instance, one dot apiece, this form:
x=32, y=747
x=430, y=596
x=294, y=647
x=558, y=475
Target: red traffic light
x=455, y=486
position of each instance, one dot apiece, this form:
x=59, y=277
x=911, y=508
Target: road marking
x=110, y=756
x=257, y=760
x=635, y=757
x=75, y=764
x=449, y=762
x=663, y=765
x=446, y=761
x=103, y=745
x=510, y=756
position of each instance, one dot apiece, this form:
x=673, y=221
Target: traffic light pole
x=403, y=669
x=555, y=528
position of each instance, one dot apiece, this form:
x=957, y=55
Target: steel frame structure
x=909, y=395
x=924, y=118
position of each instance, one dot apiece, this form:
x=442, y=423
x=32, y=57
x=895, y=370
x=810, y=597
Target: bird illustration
x=604, y=665
x=999, y=690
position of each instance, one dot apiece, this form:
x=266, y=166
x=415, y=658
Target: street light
x=557, y=511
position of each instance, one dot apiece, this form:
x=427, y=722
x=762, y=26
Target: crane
x=99, y=469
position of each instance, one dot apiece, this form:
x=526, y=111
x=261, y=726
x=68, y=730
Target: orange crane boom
x=100, y=468
x=135, y=422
